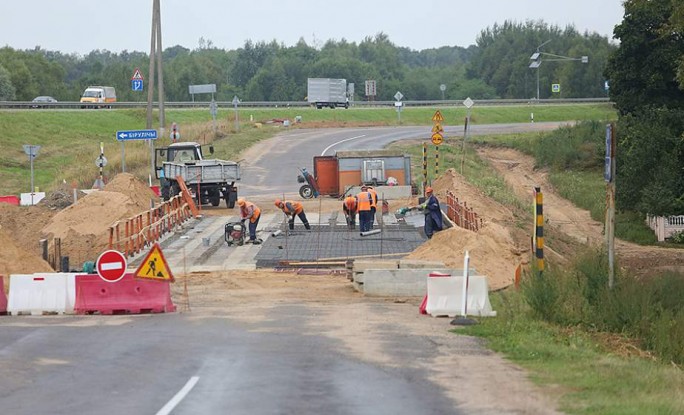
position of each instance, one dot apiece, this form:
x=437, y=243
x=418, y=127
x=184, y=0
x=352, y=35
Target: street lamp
x=536, y=59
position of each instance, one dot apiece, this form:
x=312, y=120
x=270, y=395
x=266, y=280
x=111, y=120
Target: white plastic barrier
x=29, y=199
x=42, y=293
x=445, y=296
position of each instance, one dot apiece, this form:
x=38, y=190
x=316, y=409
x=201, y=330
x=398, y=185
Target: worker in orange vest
x=250, y=211
x=349, y=207
x=292, y=209
x=364, y=202
x=374, y=205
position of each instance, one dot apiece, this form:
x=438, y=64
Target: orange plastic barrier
x=126, y=296
x=12, y=200
x=3, y=297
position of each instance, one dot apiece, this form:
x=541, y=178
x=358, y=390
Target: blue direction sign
x=137, y=84
x=136, y=135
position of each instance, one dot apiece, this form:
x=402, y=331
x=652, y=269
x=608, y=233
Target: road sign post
x=132, y=135
x=235, y=102
x=111, y=265
x=32, y=152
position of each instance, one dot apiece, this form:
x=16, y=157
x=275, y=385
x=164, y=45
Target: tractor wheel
x=306, y=192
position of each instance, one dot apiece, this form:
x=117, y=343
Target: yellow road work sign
x=437, y=139
x=154, y=266
x=437, y=128
x=437, y=117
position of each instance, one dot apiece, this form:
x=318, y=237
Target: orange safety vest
x=250, y=208
x=350, y=204
x=298, y=208
x=364, y=201
x=374, y=198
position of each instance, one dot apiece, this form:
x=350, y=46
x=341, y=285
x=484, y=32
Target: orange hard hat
x=241, y=202
x=277, y=202
x=428, y=189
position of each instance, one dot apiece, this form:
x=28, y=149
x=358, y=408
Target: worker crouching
x=433, y=213
x=349, y=207
x=292, y=209
x=250, y=211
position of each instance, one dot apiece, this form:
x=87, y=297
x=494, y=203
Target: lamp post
x=536, y=59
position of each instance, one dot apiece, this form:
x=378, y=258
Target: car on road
x=39, y=101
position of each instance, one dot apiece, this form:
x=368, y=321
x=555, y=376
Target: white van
x=98, y=95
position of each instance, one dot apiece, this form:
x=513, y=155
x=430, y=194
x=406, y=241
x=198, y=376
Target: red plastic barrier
x=12, y=200
x=126, y=296
x=423, y=304
x=3, y=297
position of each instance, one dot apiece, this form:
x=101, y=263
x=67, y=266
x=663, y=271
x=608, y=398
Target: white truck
x=327, y=92
x=98, y=97
x=208, y=181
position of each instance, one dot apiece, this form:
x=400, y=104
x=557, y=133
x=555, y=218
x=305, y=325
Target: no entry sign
x=111, y=266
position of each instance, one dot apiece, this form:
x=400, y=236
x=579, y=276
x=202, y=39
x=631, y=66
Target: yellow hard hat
x=241, y=202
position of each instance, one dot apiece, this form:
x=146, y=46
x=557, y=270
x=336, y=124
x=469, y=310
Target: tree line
x=647, y=86
x=497, y=66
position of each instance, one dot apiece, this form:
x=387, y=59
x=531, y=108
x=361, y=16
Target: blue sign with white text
x=136, y=135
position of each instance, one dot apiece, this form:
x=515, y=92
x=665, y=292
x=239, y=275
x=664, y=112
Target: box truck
x=327, y=92
x=98, y=97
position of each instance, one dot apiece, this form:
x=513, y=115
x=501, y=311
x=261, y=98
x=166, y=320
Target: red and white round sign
x=111, y=265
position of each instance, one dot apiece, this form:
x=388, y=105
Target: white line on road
x=170, y=405
x=340, y=142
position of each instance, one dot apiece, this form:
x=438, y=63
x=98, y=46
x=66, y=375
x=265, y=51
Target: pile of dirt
x=83, y=227
x=492, y=252
x=16, y=260
x=486, y=208
x=60, y=199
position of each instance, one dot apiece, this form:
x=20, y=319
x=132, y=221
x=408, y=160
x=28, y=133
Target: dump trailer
x=327, y=92
x=208, y=180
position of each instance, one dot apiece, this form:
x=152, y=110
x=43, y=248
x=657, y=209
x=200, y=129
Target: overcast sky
x=80, y=26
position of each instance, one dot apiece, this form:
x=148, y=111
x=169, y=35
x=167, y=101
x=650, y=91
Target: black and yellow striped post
x=424, y=167
x=436, y=161
x=539, y=228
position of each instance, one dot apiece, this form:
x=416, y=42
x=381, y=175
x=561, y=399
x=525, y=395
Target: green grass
x=592, y=379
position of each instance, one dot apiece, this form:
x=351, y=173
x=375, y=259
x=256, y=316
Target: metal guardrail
x=22, y=105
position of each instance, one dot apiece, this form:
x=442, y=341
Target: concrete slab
x=401, y=282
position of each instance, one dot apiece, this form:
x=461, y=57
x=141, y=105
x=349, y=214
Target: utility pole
x=609, y=176
x=155, y=54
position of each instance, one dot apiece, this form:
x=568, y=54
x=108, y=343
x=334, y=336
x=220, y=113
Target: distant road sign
x=136, y=135
x=137, y=74
x=437, y=139
x=437, y=117
x=555, y=87
x=468, y=102
x=111, y=265
x=154, y=266
x=398, y=96
x=137, y=84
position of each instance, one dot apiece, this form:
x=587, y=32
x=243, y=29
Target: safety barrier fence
x=461, y=215
x=665, y=226
x=132, y=235
x=76, y=293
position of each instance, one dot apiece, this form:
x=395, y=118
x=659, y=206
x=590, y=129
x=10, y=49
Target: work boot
x=256, y=242
x=307, y=226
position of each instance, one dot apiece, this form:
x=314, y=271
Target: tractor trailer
x=327, y=92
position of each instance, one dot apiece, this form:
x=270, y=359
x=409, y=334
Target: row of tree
x=647, y=87
x=496, y=67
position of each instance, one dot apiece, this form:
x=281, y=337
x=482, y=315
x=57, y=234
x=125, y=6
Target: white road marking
x=340, y=142
x=170, y=405
x=111, y=265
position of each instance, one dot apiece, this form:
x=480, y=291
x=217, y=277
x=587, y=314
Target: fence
x=461, y=214
x=132, y=235
x=665, y=226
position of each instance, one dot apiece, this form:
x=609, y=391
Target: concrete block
x=364, y=264
x=401, y=282
x=419, y=264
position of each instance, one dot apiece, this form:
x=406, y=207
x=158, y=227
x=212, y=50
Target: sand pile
x=492, y=252
x=488, y=209
x=15, y=260
x=84, y=227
